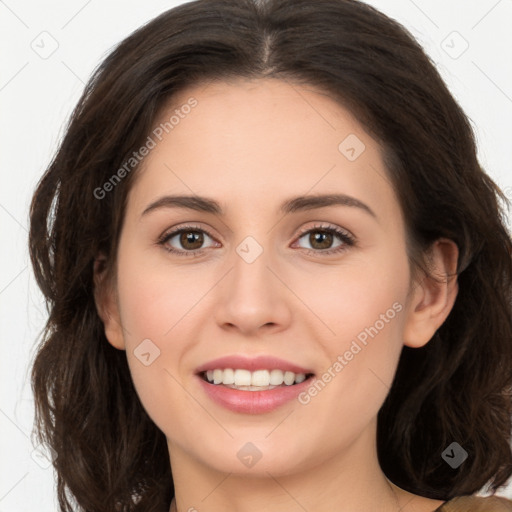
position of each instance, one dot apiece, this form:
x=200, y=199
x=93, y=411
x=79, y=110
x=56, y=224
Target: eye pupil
x=324, y=238
x=193, y=237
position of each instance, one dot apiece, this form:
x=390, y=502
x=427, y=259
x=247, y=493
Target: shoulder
x=477, y=504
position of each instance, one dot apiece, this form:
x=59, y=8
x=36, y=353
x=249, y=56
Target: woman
x=277, y=276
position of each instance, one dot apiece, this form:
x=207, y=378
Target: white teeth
x=257, y=379
x=300, y=377
x=228, y=376
x=276, y=377
x=289, y=378
x=217, y=376
x=242, y=378
x=260, y=378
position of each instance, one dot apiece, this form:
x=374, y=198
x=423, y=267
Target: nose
x=252, y=298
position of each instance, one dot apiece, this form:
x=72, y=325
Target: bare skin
x=251, y=146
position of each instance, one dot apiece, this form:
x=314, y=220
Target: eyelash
x=347, y=239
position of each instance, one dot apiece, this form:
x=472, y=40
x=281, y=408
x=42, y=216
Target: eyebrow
x=295, y=204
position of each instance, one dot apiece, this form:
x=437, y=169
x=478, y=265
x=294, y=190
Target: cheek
x=355, y=381
x=155, y=296
x=351, y=296
x=363, y=304
x=155, y=304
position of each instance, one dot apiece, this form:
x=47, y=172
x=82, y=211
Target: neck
x=351, y=480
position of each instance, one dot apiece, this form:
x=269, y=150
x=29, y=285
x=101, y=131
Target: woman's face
x=312, y=286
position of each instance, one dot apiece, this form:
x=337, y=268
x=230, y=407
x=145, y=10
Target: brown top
x=476, y=504
x=460, y=504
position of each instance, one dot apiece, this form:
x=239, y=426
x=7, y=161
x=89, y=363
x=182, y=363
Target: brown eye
x=321, y=239
x=325, y=240
x=191, y=239
x=187, y=241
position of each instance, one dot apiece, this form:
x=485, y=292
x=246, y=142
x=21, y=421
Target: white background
x=36, y=98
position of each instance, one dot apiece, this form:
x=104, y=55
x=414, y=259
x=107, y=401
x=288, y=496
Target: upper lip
x=252, y=364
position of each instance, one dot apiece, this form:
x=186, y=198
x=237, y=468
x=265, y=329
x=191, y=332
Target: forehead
x=256, y=139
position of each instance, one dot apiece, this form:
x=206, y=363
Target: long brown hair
x=110, y=455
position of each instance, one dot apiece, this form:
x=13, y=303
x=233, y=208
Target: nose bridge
x=250, y=280
x=251, y=296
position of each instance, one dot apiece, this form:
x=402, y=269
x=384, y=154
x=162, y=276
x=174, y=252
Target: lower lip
x=253, y=402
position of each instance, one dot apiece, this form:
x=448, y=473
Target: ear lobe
x=106, y=303
x=434, y=296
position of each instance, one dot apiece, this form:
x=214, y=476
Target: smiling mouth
x=259, y=380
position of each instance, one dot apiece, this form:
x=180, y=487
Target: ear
x=433, y=297
x=107, y=305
